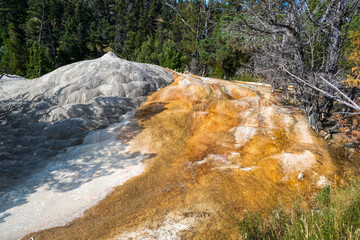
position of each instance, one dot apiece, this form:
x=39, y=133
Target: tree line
x=37, y=36
x=308, y=48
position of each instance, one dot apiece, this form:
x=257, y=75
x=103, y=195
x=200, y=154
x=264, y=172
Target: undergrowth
x=335, y=214
x=245, y=78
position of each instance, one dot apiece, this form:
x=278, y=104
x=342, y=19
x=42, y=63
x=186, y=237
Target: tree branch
x=323, y=18
x=351, y=104
x=355, y=106
x=260, y=30
x=181, y=17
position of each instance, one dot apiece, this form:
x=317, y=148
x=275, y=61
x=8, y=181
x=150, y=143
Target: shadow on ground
x=101, y=153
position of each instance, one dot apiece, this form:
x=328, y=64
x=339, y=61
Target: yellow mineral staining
x=215, y=150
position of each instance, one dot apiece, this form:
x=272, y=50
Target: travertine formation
x=41, y=117
x=217, y=149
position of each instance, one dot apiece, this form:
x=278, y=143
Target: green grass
x=334, y=215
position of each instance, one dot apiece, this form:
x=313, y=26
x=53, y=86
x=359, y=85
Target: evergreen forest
x=37, y=36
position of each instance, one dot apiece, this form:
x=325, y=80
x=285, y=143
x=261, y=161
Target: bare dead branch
x=355, y=106
x=303, y=82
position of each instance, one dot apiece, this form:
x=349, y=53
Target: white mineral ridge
x=82, y=81
x=41, y=184
x=73, y=182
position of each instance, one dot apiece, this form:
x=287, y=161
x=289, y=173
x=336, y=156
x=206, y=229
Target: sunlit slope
x=219, y=149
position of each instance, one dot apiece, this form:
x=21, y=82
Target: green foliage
x=172, y=58
x=246, y=78
x=73, y=46
x=33, y=68
x=70, y=42
x=39, y=62
x=2, y=40
x=94, y=39
x=335, y=215
x=2, y=50
x=13, y=11
x=149, y=51
x=34, y=26
x=323, y=198
x=353, y=79
x=139, y=30
x=221, y=53
x=254, y=227
x=14, y=57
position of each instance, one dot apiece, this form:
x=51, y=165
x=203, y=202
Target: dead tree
x=292, y=36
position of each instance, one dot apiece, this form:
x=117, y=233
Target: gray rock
x=42, y=117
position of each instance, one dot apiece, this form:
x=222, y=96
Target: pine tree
x=33, y=68
x=146, y=52
x=39, y=61
x=172, y=58
x=70, y=42
x=13, y=11
x=2, y=40
x=94, y=40
x=14, y=58
x=76, y=33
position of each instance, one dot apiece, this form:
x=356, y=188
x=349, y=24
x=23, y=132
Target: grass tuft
x=334, y=215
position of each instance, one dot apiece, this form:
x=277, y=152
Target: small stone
x=300, y=176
